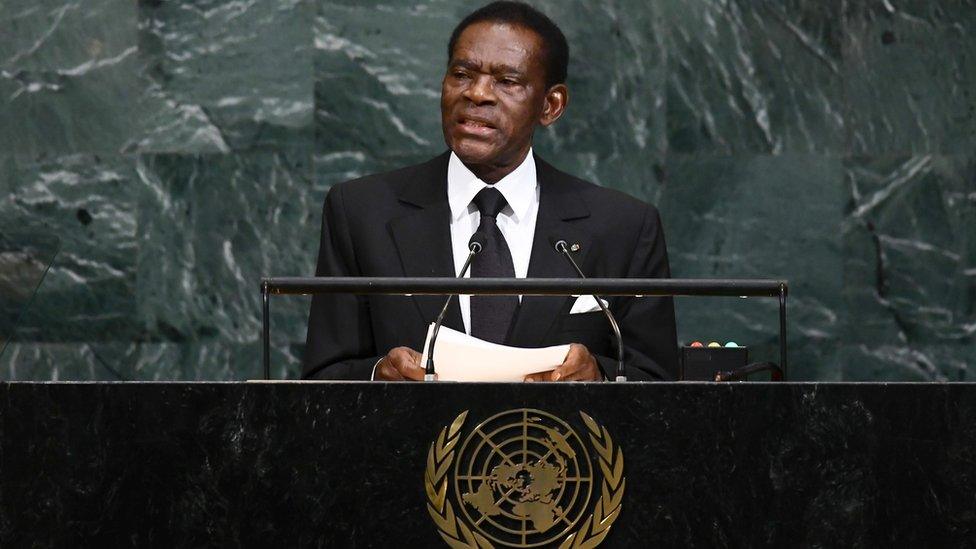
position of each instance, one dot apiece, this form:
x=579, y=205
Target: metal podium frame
x=637, y=287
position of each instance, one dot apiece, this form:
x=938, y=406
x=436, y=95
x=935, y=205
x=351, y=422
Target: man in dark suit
x=506, y=76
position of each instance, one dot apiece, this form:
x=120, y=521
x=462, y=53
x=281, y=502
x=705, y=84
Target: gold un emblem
x=523, y=478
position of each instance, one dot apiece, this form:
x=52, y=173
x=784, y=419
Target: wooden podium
x=378, y=464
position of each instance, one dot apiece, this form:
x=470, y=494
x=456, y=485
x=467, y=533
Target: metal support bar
x=782, y=329
x=266, y=305
x=651, y=287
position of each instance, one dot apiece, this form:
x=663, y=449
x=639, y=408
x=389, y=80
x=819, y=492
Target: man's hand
x=400, y=364
x=579, y=365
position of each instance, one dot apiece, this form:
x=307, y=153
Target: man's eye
x=460, y=74
x=509, y=81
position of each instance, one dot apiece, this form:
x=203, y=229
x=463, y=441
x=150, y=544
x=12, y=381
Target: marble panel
x=89, y=203
x=613, y=132
x=750, y=77
x=212, y=359
x=210, y=227
x=224, y=76
x=201, y=360
x=910, y=267
x=910, y=73
x=24, y=261
x=68, y=76
x=757, y=217
x=29, y=361
x=377, y=88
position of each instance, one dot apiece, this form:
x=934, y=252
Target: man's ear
x=556, y=100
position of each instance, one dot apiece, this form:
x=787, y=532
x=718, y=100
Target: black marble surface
x=341, y=464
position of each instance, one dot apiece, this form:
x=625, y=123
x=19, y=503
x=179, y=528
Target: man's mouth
x=475, y=125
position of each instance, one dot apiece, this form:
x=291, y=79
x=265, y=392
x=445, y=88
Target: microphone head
x=477, y=241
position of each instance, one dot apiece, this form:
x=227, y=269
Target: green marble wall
x=181, y=150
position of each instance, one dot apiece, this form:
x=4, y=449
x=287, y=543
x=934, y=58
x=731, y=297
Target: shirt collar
x=518, y=187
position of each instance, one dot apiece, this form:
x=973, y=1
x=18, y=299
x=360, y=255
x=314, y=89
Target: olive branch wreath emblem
x=458, y=535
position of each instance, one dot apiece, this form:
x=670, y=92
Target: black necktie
x=491, y=315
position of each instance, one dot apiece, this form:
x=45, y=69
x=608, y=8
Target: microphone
x=475, y=245
x=563, y=248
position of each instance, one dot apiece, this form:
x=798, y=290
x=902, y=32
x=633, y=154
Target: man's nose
x=481, y=90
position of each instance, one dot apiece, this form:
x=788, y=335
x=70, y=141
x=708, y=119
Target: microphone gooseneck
x=563, y=248
x=475, y=245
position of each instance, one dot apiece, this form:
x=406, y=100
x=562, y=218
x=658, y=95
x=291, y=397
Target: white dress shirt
x=516, y=221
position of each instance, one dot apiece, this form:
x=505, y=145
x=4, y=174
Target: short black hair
x=555, y=48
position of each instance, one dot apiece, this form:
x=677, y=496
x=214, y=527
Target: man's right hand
x=400, y=364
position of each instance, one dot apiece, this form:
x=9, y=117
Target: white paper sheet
x=460, y=357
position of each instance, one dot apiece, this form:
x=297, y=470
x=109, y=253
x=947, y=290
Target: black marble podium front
x=343, y=464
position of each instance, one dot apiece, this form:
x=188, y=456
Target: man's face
x=493, y=95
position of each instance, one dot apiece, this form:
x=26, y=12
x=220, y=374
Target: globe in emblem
x=523, y=478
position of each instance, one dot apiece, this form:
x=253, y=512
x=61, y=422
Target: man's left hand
x=579, y=365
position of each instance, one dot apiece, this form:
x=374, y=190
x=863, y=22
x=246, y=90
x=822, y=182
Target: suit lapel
x=559, y=206
x=423, y=237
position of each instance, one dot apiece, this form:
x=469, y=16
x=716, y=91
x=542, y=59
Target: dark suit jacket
x=398, y=224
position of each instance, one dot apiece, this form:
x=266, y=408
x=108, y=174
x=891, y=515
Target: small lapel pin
x=575, y=247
